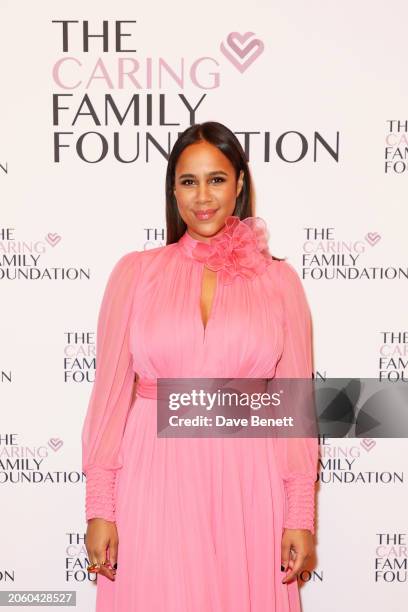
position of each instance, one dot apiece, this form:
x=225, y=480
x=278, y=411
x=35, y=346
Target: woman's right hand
x=101, y=541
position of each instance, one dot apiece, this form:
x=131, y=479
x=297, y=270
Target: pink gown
x=200, y=520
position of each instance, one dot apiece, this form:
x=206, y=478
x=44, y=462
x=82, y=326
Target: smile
x=203, y=215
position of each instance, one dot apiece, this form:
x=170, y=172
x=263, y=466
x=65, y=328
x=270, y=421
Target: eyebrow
x=209, y=174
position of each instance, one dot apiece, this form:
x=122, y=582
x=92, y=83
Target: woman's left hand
x=297, y=548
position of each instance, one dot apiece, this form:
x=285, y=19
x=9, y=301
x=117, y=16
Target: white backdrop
x=317, y=93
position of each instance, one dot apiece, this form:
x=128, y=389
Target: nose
x=203, y=194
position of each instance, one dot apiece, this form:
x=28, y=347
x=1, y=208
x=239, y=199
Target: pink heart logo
x=53, y=239
x=235, y=39
x=368, y=443
x=372, y=238
x=55, y=443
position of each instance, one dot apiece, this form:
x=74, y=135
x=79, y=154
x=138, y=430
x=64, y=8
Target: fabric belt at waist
x=147, y=387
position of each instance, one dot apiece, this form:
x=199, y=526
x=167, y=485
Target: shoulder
x=137, y=261
x=125, y=265
x=283, y=270
x=287, y=272
x=289, y=280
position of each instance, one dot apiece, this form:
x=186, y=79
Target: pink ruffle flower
x=240, y=250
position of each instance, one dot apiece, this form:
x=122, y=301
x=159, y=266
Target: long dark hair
x=221, y=137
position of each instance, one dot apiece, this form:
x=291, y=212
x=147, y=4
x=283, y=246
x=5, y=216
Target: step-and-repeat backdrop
x=93, y=98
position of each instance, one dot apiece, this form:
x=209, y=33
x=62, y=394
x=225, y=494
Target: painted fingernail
x=115, y=566
x=282, y=568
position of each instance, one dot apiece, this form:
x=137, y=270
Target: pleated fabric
x=200, y=520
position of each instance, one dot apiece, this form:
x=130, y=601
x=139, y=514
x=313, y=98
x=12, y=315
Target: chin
x=208, y=229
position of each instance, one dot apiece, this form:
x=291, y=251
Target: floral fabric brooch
x=240, y=250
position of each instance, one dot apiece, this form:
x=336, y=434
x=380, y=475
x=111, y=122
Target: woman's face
x=206, y=189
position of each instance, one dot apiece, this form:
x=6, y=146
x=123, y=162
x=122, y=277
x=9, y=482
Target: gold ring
x=94, y=567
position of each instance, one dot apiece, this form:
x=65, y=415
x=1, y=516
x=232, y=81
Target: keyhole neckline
x=213, y=304
x=187, y=243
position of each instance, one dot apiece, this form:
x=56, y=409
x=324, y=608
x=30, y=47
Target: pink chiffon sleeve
x=111, y=394
x=297, y=457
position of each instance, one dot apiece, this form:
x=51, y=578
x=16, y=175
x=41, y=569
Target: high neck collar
x=188, y=243
x=240, y=249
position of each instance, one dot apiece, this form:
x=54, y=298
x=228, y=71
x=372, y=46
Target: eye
x=216, y=179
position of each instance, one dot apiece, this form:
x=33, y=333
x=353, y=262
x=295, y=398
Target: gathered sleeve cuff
x=111, y=394
x=100, y=494
x=297, y=457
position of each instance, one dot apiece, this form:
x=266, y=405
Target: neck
x=200, y=238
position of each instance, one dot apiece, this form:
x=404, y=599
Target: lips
x=203, y=215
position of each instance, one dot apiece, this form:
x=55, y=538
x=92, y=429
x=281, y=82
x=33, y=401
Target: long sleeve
x=297, y=457
x=112, y=389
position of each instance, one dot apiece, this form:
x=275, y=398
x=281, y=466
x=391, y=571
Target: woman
x=198, y=524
